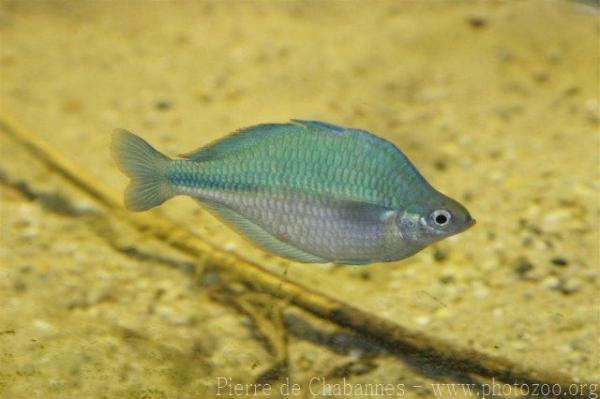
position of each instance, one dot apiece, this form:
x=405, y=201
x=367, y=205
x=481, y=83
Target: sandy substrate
x=496, y=103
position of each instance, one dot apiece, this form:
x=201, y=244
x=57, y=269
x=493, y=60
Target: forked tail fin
x=147, y=168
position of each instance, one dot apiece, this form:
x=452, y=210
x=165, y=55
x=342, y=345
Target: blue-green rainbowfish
x=305, y=190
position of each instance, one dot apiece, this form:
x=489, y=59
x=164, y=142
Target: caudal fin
x=147, y=168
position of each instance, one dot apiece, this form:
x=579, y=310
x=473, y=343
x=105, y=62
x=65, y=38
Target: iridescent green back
x=307, y=157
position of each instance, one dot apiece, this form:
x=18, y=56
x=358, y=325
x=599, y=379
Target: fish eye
x=441, y=217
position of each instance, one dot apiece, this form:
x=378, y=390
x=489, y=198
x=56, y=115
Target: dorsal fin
x=349, y=132
x=252, y=135
x=238, y=140
x=319, y=125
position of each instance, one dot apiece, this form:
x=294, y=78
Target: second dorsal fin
x=239, y=140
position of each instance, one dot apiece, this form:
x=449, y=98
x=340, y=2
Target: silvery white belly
x=330, y=229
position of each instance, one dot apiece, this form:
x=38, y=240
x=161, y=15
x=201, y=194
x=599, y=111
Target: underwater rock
x=522, y=266
x=163, y=105
x=551, y=282
x=439, y=255
x=559, y=261
x=477, y=21
x=571, y=285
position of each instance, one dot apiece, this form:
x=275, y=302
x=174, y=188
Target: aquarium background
x=496, y=103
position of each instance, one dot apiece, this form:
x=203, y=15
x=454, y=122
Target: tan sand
x=497, y=103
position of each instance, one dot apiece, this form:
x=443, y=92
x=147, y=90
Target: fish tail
x=145, y=166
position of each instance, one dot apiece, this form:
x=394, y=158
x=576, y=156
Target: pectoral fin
x=364, y=212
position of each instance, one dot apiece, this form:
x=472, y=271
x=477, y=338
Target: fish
x=307, y=191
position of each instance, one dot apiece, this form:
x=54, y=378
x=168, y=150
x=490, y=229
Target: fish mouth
x=463, y=226
x=470, y=223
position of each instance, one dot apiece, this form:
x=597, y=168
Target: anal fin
x=260, y=236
